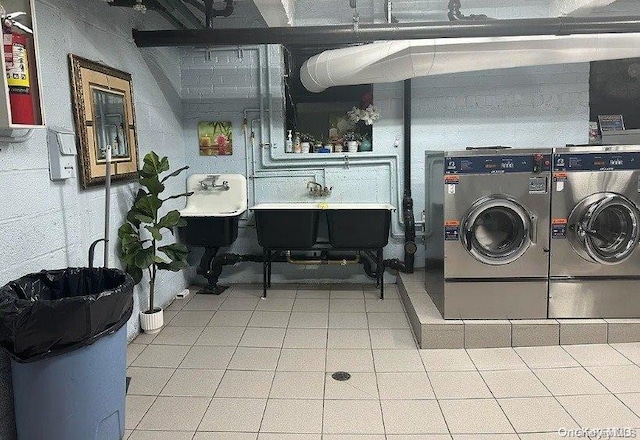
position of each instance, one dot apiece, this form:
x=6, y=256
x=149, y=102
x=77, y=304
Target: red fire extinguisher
x=16, y=58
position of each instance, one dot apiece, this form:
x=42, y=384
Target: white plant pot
x=352, y=146
x=152, y=322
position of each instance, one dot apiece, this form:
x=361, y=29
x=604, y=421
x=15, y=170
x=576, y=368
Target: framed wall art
x=102, y=99
x=215, y=138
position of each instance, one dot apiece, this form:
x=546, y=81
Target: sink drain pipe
x=410, y=246
x=217, y=262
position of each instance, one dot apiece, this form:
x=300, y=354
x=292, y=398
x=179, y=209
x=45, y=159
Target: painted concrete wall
x=50, y=225
x=543, y=106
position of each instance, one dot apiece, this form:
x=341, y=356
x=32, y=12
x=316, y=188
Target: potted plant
x=142, y=233
x=350, y=140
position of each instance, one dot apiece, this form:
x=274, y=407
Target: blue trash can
x=75, y=396
x=66, y=334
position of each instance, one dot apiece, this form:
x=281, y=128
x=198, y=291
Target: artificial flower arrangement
x=368, y=115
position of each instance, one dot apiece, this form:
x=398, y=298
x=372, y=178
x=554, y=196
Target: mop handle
x=107, y=204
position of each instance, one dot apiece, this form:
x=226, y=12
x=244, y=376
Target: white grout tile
x=459, y=385
x=133, y=350
x=595, y=355
x=311, y=305
x=164, y=356
x=599, y=411
x=393, y=361
x=305, y=338
x=546, y=357
x=221, y=336
x=415, y=385
x=515, y=383
x=630, y=350
x=212, y=358
x=148, y=381
x=388, y=320
x=618, y=378
x=475, y=416
x=230, y=318
x=343, y=305
x=496, y=359
x=302, y=359
x=569, y=381
x=392, y=339
x=269, y=319
x=292, y=416
x=177, y=336
x=168, y=413
x=309, y=320
x=252, y=358
x=352, y=417
x=387, y=305
x=161, y=435
x=233, y=303
x=350, y=360
x=190, y=318
x=348, y=338
x=297, y=385
x=233, y=414
x=275, y=304
x=262, y=337
x=193, y=382
x=356, y=320
x=136, y=408
x=447, y=360
x=413, y=417
x=361, y=386
x=250, y=384
x=537, y=414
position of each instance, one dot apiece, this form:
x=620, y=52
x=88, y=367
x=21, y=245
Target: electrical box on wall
x=21, y=103
x=62, y=153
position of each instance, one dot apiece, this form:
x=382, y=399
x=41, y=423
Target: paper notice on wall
x=559, y=186
x=451, y=189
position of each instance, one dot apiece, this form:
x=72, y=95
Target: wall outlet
x=184, y=294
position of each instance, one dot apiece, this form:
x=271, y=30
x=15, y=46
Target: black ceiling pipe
x=345, y=34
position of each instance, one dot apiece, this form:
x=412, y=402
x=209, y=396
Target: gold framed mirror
x=102, y=99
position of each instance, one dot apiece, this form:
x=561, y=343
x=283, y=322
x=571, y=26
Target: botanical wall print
x=102, y=100
x=216, y=138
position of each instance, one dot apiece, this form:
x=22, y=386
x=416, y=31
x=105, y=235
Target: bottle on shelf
x=288, y=146
x=296, y=144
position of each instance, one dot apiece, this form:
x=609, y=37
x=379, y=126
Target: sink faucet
x=317, y=190
x=210, y=182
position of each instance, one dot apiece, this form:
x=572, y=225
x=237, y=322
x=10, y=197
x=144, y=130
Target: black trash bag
x=54, y=312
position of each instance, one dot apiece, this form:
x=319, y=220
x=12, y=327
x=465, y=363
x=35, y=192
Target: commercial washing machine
x=487, y=232
x=595, y=262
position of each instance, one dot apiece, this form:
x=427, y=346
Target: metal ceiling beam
x=329, y=35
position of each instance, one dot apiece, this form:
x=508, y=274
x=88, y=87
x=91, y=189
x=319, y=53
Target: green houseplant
x=142, y=233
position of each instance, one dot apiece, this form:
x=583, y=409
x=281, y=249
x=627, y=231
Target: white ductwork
x=392, y=61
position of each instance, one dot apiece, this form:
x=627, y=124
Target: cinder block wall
x=50, y=225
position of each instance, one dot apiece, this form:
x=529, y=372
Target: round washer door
x=605, y=228
x=497, y=230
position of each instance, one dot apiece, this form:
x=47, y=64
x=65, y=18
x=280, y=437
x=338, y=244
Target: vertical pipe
x=107, y=204
x=208, y=12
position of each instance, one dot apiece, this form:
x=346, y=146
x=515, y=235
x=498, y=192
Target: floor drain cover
x=341, y=376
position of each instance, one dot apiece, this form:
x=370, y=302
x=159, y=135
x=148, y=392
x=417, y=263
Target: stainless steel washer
x=487, y=238
x=595, y=262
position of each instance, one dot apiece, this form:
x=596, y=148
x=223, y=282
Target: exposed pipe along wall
x=272, y=162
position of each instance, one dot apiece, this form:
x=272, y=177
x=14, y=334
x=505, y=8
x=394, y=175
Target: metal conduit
x=345, y=34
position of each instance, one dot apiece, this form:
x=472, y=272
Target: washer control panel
x=507, y=163
x=606, y=161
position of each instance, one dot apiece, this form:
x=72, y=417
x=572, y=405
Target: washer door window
x=605, y=228
x=497, y=230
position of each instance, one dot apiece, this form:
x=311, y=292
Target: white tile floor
x=236, y=367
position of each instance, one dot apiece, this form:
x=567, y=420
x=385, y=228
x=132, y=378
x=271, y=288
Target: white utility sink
x=322, y=206
x=216, y=195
